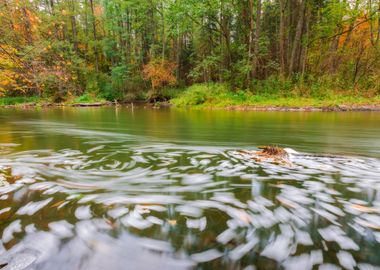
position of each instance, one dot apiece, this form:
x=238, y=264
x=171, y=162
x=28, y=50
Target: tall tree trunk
x=256, y=45
x=351, y=27
x=374, y=38
x=282, y=38
x=303, y=58
x=178, y=55
x=225, y=29
x=74, y=26
x=250, y=36
x=163, y=31
x=296, y=48
x=93, y=21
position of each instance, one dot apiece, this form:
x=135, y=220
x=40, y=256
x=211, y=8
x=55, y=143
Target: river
x=122, y=188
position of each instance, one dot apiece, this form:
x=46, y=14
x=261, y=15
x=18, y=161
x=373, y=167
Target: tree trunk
x=250, y=36
x=296, y=48
x=256, y=45
x=74, y=27
x=163, y=31
x=93, y=20
x=282, y=38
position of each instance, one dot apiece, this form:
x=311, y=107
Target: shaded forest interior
x=130, y=49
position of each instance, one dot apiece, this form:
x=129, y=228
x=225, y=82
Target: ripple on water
x=117, y=203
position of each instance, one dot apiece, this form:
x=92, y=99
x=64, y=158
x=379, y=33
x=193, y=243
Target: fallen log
x=96, y=104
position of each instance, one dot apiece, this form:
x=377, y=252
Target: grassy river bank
x=218, y=96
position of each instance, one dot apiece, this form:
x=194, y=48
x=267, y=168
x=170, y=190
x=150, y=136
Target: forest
x=121, y=50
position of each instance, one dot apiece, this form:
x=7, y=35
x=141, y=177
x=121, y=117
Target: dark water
x=106, y=188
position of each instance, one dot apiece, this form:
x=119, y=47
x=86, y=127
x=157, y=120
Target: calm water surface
x=116, y=188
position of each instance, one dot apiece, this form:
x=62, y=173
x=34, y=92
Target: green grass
x=219, y=96
x=14, y=101
x=5, y=101
x=86, y=98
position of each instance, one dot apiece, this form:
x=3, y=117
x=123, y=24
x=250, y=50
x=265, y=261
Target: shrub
x=160, y=73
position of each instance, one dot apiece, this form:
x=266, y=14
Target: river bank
x=217, y=97
x=326, y=108
x=285, y=105
x=268, y=107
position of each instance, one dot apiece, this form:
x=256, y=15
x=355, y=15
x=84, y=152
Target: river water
x=122, y=188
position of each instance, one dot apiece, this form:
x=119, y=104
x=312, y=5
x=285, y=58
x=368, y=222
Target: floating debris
x=271, y=154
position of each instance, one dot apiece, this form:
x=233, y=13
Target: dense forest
x=124, y=49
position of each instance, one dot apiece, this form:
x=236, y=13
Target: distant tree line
x=117, y=48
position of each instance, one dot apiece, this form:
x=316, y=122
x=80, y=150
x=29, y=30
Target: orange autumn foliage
x=160, y=73
x=360, y=34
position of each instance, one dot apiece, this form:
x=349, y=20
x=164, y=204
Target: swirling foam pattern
x=123, y=202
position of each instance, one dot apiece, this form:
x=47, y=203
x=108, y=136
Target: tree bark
x=256, y=45
x=250, y=36
x=282, y=38
x=296, y=48
x=93, y=20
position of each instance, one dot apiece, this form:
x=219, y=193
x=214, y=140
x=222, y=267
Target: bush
x=4, y=101
x=86, y=98
x=200, y=94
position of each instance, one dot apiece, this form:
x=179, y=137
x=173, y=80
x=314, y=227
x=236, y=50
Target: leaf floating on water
x=287, y=202
x=172, y=222
x=57, y=204
x=368, y=224
x=364, y=209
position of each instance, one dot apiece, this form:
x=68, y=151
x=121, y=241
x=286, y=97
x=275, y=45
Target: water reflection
x=118, y=199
